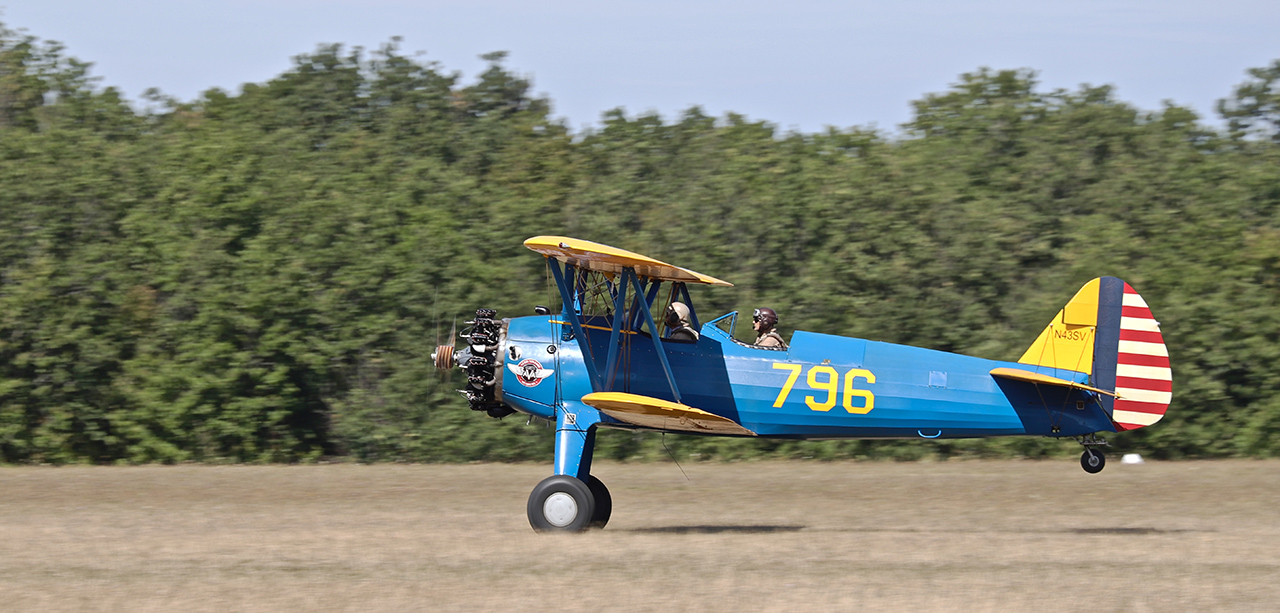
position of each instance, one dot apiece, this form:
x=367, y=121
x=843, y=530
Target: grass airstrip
x=793, y=536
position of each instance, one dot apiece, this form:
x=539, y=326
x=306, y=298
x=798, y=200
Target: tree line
x=262, y=276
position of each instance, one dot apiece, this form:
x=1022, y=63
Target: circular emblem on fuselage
x=529, y=372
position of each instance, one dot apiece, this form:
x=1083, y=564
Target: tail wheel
x=1092, y=461
x=604, y=503
x=561, y=503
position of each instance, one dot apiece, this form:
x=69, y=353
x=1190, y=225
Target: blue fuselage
x=822, y=387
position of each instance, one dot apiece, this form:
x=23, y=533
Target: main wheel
x=604, y=503
x=560, y=503
x=1092, y=461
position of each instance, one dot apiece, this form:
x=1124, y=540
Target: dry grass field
x=776, y=536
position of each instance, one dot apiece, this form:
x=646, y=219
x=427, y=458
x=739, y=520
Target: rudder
x=1143, y=378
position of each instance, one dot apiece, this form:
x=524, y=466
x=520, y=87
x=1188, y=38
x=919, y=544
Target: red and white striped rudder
x=1144, y=378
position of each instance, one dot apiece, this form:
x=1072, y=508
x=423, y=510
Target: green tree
x=1254, y=107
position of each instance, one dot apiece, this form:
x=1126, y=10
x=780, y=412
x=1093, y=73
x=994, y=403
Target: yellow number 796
x=825, y=378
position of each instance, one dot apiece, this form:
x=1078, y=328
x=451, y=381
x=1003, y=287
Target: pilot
x=764, y=320
x=677, y=320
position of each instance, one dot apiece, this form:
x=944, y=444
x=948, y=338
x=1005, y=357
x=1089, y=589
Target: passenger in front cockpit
x=677, y=320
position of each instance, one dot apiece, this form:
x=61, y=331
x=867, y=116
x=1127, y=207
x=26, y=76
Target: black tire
x=1092, y=461
x=604, y=503
x=560, y=503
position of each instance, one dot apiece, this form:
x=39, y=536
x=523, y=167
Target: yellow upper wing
x=594, y=256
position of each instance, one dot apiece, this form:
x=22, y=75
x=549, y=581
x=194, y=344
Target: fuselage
x=821, y=387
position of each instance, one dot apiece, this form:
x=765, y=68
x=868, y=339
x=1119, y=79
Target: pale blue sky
x=803, y=64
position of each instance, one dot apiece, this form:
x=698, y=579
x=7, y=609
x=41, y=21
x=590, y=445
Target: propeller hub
x=443, y=357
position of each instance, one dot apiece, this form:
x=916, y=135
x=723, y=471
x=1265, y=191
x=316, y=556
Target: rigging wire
x=673, y=458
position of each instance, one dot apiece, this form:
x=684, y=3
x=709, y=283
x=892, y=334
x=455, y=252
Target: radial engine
x=482, y=360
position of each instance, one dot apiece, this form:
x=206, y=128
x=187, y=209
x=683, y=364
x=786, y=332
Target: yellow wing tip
x=539, y=243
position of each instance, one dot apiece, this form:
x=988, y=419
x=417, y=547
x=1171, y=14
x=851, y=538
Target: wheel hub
x=560, y=509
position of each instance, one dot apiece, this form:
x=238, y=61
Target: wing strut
x=647, y=298
x=568, y=298
x=619, y=303
x=563, y=278
x=682, y=293
x=657, y=342
x=571, y=314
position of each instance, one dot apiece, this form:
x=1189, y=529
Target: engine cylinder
x=482, y=361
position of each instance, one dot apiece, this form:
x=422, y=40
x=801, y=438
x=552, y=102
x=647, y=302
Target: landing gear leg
x=572, y=500
x=1092, y=460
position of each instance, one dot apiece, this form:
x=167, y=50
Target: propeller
x=443, y=355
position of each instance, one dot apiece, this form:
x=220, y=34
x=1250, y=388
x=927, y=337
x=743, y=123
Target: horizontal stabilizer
x=658, y=414
x=1034, y=377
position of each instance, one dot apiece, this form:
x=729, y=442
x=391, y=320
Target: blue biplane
x=1100, y=366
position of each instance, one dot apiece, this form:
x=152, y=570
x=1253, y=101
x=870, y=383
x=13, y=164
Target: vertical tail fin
x=1108, y=332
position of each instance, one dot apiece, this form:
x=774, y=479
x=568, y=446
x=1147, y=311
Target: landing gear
x=561, y=503
x=1093, y=461
x=604, y=503
x=572, y=500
